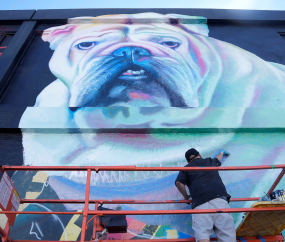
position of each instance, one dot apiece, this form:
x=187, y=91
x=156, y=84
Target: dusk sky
x=65, y=4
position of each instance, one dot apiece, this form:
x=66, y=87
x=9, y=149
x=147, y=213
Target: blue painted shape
x=241, y=239
x=164, y=233
x=183, y=235
x=261, y=238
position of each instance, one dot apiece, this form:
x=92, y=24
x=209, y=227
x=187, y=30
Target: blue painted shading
x=124, y=189
x=148, y=186
x=152, y=186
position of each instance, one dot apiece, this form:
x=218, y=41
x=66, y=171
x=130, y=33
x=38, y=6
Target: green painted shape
x=160, y=231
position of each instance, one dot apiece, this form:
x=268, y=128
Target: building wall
x=140, y=90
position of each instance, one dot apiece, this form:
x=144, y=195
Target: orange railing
x=96, y=212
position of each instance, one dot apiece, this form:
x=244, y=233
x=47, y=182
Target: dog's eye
x=170, y=44
x=85, y=45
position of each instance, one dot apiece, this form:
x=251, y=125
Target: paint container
x=113, y=223
x=278, y=195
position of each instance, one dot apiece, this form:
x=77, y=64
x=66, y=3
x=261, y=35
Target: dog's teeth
x=135, y=72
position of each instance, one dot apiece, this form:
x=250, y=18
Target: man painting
x=208, y=192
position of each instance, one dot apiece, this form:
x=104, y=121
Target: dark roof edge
x=16, y=15
x=210, y=14
x=213, y=15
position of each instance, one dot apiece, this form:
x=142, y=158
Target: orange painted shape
x=136, y=225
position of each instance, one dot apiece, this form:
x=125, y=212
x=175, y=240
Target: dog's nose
x=131, y=52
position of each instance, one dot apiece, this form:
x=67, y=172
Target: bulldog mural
x=149, y=71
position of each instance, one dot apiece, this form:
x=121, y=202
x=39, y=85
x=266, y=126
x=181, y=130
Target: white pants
x=222, y=223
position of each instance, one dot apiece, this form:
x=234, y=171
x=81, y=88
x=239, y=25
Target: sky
x=67, y=4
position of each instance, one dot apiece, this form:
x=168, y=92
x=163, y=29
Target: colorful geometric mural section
x=33, y=185
x=136, y=230
x=139, y=230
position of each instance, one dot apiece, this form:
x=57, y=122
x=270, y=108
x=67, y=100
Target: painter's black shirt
x=203, y=185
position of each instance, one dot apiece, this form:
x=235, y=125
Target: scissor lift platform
x=273, y=211
x=263, y=223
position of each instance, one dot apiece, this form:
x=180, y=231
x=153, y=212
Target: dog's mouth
x=134, y=73
x=136, y=86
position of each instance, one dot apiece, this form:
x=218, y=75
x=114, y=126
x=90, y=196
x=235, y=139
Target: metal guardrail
x=96, y=212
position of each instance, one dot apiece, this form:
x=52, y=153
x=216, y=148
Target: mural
x=157, y=74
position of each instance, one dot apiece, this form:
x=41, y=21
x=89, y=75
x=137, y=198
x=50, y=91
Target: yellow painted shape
x=71, y=231
x=32, y=195
x=29, y=195
x=155, y=232
x=17, y=195
x=171, y=234
x=40, y=176
x=22, y=207
x=3, y=220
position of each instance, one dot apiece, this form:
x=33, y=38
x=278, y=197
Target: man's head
x=191, y=154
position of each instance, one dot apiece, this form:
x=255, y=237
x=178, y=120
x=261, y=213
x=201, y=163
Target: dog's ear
x=190, y=24
x=55, y=35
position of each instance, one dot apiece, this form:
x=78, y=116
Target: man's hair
x=192, y=152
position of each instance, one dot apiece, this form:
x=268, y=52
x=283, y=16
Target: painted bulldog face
x=134, y=67
x=123, y=64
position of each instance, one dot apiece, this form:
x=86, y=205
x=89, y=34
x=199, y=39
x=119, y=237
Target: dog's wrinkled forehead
x=190, y=24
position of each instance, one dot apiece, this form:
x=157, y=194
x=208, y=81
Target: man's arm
x=220, y=156
x=181, y=188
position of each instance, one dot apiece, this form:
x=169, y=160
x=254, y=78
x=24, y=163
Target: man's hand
x=182, y=190
x=187, y=198
x=220, y=156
